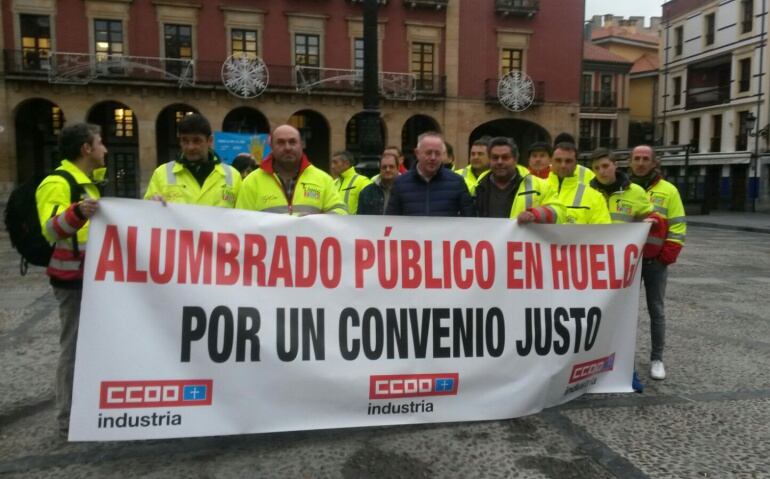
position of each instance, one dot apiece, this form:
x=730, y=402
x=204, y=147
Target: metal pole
x=754, y=185
x=368, y=124
x=686, y=195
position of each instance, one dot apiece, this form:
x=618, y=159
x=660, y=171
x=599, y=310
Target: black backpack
x=23, y=224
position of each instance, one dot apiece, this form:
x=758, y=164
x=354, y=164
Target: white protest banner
x=201, y=321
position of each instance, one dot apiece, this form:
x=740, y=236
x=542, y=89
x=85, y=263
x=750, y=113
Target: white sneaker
x=657, y=370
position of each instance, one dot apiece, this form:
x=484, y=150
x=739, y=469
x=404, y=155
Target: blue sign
x=229, y=145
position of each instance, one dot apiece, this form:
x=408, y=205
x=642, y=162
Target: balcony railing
x=490, y=91
x=82, y=68
x=701, y=97
x=600, y=99
x=521, y=8
x=435, y=4
x=715, y=145
x=742, y=142
x=589, y=144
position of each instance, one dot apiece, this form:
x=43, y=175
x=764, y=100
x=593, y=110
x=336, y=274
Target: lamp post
x=368, y=124
x=690, y=147
x=749, y=123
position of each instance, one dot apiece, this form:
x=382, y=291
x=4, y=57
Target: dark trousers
x=69, y=317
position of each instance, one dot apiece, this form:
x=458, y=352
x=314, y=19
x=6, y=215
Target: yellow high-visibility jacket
x=176, y=184
x=59, y=222
x=349, y=186
x=314, y=192
x=667, y=202
x=584, y=205
x=531, y=194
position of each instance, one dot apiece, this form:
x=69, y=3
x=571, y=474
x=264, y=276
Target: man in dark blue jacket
x=428, y=189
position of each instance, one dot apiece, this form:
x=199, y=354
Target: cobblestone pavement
x=709, y=419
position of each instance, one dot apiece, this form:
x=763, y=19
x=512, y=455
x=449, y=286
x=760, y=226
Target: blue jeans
x=654, y=275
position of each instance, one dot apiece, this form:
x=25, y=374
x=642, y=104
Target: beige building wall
x=642, y=98
x=457, y=118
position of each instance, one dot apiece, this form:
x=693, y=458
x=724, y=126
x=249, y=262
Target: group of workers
x=552, y=188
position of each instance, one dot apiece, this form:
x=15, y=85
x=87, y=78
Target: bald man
x=667, y=203
x=287, y=183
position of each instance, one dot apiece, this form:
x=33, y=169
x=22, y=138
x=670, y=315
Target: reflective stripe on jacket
x=667, y=203
x=314, y=192
x=349, y=186
x=176, y=184
x=584, y=205
x=59, y=222
x=535, y=195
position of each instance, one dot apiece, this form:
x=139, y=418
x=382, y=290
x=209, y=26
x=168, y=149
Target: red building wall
x=554, y=54
x=555, y=48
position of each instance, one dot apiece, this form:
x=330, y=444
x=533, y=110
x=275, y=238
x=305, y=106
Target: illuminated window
x=108, y=38
x=56, y=120
x=181, y=114
x=510, y=60
x=35, y=41
x=124, y=122
x=244, y=43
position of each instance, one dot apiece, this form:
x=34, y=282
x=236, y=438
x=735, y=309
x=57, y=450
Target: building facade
x=604, y=99
x=639, y=44
x=137, y=66
x=713, y=80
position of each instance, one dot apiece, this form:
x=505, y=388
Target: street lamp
x=749, y=122
x=368, y=124
x=688, y=148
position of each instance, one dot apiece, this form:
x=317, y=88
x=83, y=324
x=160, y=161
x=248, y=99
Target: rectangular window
x=678, y=40
x=358, y=54
x=124, y=122
x=586, y=142
x=716, y=133
x=423, y=65
x=744, y=83
x=510, y=59
x=677, y=90
x=607, y=97
x=307, y=54
x=710, y=20
x=695, y=133
x=35, y=41
x=56, y=120
x=178, y=43
x=306, y=50
x=747, y=16
x=243, y=43
x=742, y=140
x=586, y=89
x=605, y=134
x=675, y=132
x=108, y=38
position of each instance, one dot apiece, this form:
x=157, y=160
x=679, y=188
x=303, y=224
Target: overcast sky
x=624, y=8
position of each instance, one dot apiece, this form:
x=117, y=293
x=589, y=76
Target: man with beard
x=287, y=183
x=506, y=193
